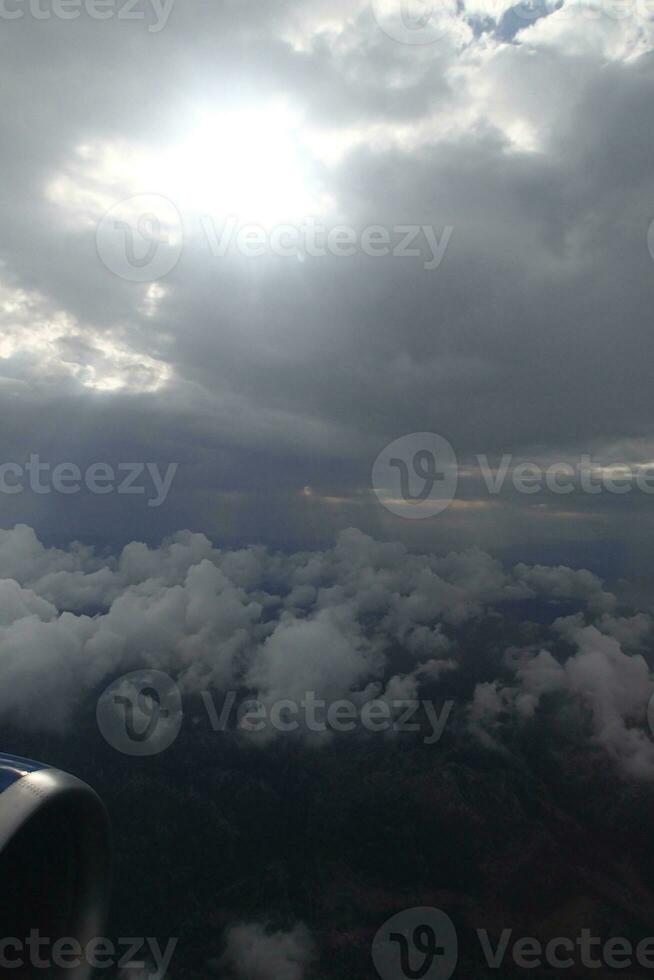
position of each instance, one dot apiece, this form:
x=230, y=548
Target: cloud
x=231, y=366
x=611, y=686
x=362, y=619
x=567, y=583
x=255, y=952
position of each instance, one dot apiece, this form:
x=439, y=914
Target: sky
x=206, y=214
x=325, y=365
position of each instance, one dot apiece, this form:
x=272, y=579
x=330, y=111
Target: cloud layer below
x=364, y=619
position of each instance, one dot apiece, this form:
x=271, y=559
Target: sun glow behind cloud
x=256, y=162
x=252, y=162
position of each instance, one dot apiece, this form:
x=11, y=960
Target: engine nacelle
x=54, y=864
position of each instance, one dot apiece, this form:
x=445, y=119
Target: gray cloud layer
x=262, y=376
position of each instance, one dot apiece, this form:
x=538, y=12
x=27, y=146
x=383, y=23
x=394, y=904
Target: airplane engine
x=54, y=867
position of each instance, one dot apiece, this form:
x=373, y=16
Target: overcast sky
x=517, y=141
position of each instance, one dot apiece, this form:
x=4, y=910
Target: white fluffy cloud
x=282, y=625
x=612, y=686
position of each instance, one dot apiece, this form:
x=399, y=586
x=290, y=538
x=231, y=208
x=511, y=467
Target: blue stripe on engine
x=13, y=768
